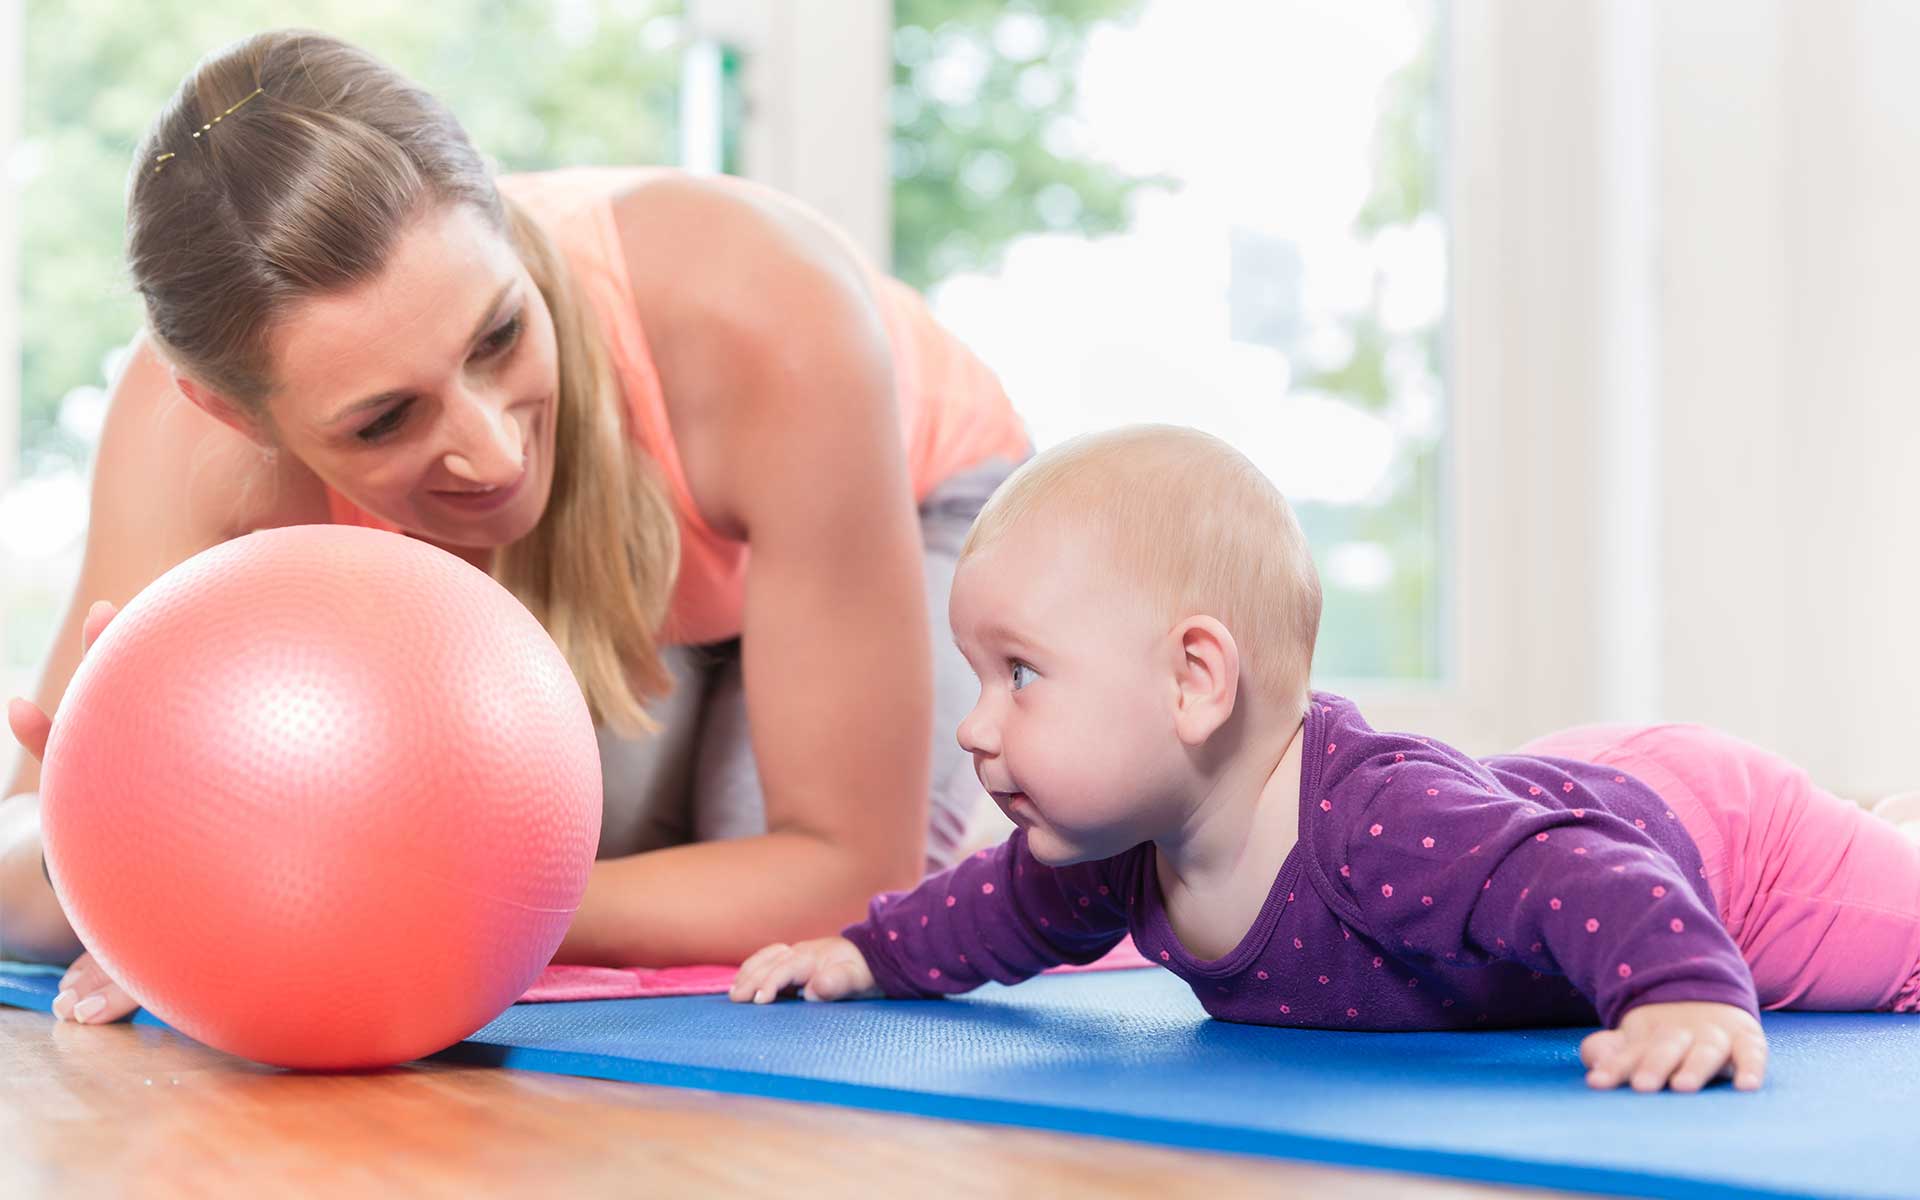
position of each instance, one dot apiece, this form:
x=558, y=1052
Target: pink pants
x=1822, y=897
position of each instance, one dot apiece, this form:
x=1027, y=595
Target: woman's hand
x=1680, y=1045
x=87, y=995
x=30, y=726
x=829, y=968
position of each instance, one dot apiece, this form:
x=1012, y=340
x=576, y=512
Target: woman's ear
x=223, y=410
x=1208, y=678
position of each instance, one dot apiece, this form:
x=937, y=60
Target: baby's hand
x=1680, y=1045
x=829, y=968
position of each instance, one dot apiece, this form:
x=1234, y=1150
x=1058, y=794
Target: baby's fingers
x=832, y=983
x=1609, y=1058
x=1661, y=1057
x=790, y=972
x=1703, y=1062
x=1749, y=1060
x=768, y=973
x=747, y=979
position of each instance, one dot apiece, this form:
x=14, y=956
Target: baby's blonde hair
x=1194, y=524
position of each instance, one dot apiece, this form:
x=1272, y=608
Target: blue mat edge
x=1117, y=1126
x=1339, y=1152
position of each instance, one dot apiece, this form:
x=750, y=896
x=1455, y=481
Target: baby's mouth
x=1014, y=804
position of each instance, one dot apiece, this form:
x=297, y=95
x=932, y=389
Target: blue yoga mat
x=1129, y=1054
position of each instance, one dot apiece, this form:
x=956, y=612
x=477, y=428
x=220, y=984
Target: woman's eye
x=385, y=424
x=501, y=338
x=1019, y=681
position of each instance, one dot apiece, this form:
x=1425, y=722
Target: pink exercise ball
x=324, y=797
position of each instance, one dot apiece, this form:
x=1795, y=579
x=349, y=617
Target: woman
x=724, y=463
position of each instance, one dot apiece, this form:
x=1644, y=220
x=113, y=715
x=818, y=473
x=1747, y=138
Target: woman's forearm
x=32, y=926
x=704, y=903
x=717, y=902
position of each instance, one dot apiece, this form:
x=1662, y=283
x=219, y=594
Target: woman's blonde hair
x=302, y=189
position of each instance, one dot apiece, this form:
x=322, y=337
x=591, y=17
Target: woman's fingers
x=98, y=615
x=84, y=977
x=109, y=1004
x=89, y=996
x=29, y=725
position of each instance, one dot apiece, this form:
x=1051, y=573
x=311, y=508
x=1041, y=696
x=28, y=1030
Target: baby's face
x=1073, y=731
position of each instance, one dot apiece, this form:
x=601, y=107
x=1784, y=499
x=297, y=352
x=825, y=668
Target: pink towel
x=625, y=983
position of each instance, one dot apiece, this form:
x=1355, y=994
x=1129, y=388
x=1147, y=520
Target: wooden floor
x=139, y=1112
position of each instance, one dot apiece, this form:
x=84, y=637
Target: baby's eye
x=1018, y=667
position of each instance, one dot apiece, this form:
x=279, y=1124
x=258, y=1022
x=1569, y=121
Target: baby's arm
x=1444, y=867
x=1000, y=915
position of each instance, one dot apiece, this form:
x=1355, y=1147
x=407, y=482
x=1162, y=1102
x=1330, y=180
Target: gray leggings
x=696, y=779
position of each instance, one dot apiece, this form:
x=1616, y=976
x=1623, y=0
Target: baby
x=1141, y=609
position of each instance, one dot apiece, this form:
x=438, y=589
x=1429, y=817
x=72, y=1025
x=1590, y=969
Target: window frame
x=1549, y=206
x=813, y=76
x=1548, y=197
x=12, y=105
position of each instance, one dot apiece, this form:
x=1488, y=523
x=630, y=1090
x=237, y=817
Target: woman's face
x=426, y=396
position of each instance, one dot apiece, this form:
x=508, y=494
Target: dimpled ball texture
x=323, y=797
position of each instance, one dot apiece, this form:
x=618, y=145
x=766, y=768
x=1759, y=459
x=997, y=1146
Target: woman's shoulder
x=734, y=291
x=670, y=215
x=165, y=453
x=570, y=193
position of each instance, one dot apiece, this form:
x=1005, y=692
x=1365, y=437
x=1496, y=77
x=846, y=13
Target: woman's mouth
x=477, y=500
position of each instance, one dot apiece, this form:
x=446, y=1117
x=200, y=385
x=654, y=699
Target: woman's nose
x=488, y=448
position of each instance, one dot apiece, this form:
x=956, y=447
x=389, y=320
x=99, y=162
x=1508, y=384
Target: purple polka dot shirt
x=1428, y=890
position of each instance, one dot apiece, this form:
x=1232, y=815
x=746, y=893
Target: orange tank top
x=954, y=413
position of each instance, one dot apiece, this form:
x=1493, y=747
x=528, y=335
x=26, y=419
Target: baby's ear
x=1208, y=678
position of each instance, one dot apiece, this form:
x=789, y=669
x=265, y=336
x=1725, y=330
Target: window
x=1226, y=215
x=1222, y=215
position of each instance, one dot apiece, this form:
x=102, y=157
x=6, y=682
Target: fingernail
x=63, y=1003
x=89, y=1008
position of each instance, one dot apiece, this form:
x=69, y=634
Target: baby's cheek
x=1102, y=740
